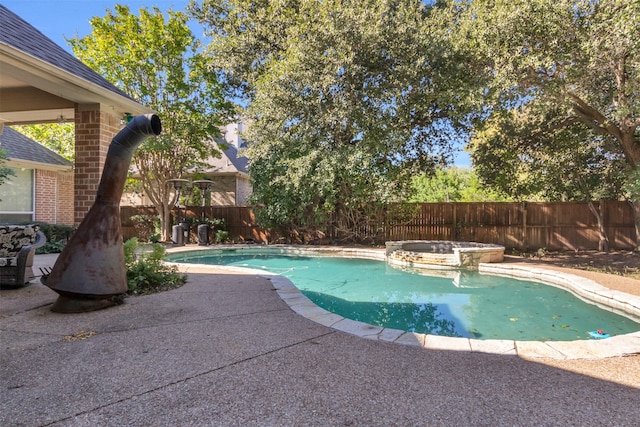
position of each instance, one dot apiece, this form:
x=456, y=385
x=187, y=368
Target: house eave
x=28, y=164
x=60, y=89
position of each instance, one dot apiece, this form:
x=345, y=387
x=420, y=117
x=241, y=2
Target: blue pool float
x=599, y=334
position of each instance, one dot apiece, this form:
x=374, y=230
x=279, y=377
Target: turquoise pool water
x=467, y=304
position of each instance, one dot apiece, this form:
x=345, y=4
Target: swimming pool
x=455, y=304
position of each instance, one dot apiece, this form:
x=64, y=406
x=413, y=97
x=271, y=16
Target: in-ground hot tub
x=442, y=253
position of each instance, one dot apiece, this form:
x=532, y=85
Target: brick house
x=40, y=82
x=41, y=188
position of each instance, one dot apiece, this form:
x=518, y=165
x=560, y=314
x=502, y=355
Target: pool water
x=467, y=305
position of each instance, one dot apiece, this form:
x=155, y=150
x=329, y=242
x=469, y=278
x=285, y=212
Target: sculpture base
x=83, y=303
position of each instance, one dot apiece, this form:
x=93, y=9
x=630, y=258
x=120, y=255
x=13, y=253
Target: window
x=16, y=197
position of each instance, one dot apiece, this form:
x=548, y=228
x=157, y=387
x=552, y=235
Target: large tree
x=571, y=163
x=158, y=61
x=573, y=64
x=347, y=100
x=566, y=164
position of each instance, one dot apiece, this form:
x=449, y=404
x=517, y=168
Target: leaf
x=82, y=335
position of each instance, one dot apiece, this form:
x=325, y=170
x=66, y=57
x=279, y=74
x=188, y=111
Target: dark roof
x=240, y=163
x=228, y=162
x=21, y=147
x=19, y=34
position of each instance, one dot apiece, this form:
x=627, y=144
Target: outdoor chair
x=18, y=245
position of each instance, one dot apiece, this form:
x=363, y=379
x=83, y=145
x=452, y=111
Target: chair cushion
x=14, y=237
x=9, y=261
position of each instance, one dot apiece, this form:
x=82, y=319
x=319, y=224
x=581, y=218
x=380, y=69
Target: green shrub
x=222, y=236
x=217, y=223
x=146, y=272
x=51, y=247
x=57, y=237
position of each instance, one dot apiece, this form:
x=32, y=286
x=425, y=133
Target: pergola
x=40, y=82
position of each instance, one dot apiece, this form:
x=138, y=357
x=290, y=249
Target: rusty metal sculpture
x=90, y=273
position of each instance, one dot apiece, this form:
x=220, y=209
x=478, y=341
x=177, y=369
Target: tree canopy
x=157, y=60
x=572, y=163
x=452, y=184
x=58, y=137
x=347, y=100
x=561, y=92
x=576, y=58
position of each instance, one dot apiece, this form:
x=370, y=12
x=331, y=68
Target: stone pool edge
x=586, y=289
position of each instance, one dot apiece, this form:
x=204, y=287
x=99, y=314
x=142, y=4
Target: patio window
x=16, y=197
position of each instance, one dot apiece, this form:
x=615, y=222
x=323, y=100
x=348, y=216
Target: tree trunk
x=603, y=243
x=165, y=223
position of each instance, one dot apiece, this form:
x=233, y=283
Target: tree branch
x=592, y=117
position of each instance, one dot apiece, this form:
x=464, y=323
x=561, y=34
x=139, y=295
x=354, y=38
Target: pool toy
x=599, y=334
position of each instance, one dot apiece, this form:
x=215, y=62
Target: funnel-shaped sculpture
x=90, y=273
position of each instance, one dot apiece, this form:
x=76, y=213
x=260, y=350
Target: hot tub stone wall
x=442, y=254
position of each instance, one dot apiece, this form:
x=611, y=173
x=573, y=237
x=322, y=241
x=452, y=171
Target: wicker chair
x=18, y=245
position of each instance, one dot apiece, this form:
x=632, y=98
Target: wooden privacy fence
x=556, y=226
x=240, y=221
x=525, y=226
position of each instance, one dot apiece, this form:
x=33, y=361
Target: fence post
x=454, y=225
x=524, y=226
x=603, y=240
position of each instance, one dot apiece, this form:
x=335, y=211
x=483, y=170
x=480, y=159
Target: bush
x=146, y=273
x=222, y=236
x=57, y=237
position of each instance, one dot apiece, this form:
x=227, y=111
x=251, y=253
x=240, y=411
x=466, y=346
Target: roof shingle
x=19, y=34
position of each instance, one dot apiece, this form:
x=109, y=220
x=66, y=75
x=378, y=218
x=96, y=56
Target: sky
x=64, y=19
x=60, y=19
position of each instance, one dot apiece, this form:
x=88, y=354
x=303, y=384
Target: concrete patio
x=225, y=349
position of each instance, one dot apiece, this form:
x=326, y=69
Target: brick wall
x=54, y=197
x=46, y=194
x=65, y=198
x=94, y=131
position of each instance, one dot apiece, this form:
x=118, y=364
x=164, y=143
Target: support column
x=94, y=130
